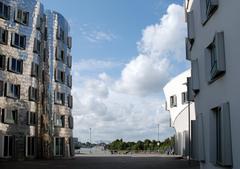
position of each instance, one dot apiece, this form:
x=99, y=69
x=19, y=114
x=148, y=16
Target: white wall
x=179, y=114
x=226, y=88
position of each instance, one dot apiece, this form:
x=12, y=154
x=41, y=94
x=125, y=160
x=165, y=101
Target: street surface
x=107, y=162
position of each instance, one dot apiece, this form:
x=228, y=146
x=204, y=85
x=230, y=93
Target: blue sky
x=124, y=19
x=124, y=52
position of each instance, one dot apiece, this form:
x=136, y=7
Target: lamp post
x=90, y=139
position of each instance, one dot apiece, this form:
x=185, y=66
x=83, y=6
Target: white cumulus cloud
x=160, y=45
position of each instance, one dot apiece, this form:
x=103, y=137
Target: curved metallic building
x=30, y=126
x=60, y=61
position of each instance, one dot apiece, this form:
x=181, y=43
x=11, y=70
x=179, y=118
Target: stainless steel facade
x=29, y=111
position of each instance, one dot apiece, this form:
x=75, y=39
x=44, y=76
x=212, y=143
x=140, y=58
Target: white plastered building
x=212, y=47
x=176, y=103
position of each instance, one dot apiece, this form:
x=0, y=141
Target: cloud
x=96, y=34
x=115, y=108
x=113, y=115
x=161, y=45
x=94, y=64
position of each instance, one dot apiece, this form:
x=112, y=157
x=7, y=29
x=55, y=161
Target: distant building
x=35, y=121
x=212, y=47
x=176, y=103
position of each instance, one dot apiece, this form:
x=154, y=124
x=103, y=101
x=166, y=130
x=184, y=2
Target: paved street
x=104, y=163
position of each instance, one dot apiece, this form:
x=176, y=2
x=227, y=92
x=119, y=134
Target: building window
x=60, y=34
x=60, y=76
x=215, y=58
x=33, y=94
x=2, y=62
x=45, y=54
x=31, y=118
x=1, y=88
x=71, y=145
x=3, y=36
x=208, y=7
x=184, y=97
x=70, y=101
x=15, y=65
x=40, y=23
x=9, y=116
x=58, y=146
x=12, y=90
x=173, y=101
x=4, y=11
x=21, y=17
x=69, y=61
x=35, y=70
x=60, y=55
x=18, y=41
x=69, y=81
x=30, y=146
x=70, y=122
x=221, y=136
x=59, y=120
x=69, y=42
x=59, y=98
x=37, y=46
x=7, y=146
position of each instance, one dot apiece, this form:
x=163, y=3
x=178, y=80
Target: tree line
x=146, y=145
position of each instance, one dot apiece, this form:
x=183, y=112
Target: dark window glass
x=6, y=143
x=4, y=11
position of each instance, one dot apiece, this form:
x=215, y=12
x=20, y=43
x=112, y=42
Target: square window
x=21, y=17
x=9, y=116
x=12, y=90
x=18, y=41
x=15, y=65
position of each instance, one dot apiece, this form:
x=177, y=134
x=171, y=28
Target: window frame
x=33, y=94
x=12, y=90
x=59, y=120
x=21, y=17
x=15, y=65
x=3, y=34
x=5, y=15
x=59, y=148
x=208, y=8
x=215, y=58
x=2, y=62
x=9, y=119
x=18, y=41
x=59, y=98
x=31, y=118
x=7, y=149
x=30, y=146
x=173, y=101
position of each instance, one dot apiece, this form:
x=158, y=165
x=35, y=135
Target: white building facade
x=180, y=111
x=212, y=47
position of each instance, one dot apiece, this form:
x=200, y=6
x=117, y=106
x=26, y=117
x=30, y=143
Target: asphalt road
x=104, y=163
